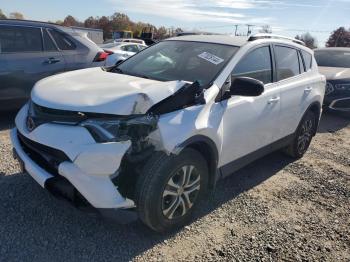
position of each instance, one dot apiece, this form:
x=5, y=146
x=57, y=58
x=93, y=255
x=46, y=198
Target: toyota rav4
x=149, y=137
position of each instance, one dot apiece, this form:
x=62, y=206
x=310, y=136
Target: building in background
x=96, y=35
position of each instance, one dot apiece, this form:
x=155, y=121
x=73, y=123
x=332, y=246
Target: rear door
x=24, y=61
x=295, y=84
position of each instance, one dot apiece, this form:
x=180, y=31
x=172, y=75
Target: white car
x=120, y=51
x=151, y=136
x=130, y=40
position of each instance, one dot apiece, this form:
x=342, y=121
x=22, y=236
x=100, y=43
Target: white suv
x=150, y=136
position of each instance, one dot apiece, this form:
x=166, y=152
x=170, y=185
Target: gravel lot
x=274, y=209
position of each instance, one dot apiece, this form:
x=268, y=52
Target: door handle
x=52, y=60
x=308, y=89
x=273, y=100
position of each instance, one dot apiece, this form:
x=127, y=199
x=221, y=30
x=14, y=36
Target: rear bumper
x=71, y=183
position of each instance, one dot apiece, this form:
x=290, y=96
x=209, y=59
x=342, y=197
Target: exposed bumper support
x=99, y=191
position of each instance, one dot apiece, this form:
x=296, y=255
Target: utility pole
x=236, y=26
x=249, y=32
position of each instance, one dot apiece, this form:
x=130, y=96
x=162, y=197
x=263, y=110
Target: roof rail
x=273, y=36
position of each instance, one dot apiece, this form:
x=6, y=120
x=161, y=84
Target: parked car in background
x=30, y=51
x=334, y=63
x=119, y=51
x=151, y=136
x=128, y=40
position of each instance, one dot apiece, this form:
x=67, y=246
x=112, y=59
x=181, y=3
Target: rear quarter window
x=19, y=39
x=63, y=42
x=307, y=60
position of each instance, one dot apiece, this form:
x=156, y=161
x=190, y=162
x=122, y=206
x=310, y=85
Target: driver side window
x=257, y=64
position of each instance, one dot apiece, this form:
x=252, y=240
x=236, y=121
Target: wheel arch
x=207, y=148
x=315, y=107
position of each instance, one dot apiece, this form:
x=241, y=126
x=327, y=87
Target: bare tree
x=2, y=15
x=339, y=38
x=308, y=39
x=71, y=21
x=16, y=15
x=266, y=29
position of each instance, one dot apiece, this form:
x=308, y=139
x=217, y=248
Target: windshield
x=333, y=58
x=179, y=60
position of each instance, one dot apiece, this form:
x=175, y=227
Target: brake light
x=101, y=56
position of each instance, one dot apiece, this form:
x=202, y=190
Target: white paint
x=95, y=90
x=237, y=126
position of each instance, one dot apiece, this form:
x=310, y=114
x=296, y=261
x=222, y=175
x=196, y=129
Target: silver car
x=119, y=51
x=30, y=51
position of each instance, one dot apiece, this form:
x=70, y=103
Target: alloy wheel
x=305, y=136
x=181, y=192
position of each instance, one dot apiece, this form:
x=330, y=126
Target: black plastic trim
x=237, y=164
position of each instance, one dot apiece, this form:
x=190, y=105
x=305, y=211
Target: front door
x=249, y=123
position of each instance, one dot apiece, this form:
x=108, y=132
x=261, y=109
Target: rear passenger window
x=48, y=43
x=17, y=39
x=287, y=62
x=307, y=60
x=257, y=65
x=62, y=41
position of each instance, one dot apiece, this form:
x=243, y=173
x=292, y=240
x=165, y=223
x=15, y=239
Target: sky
x=286, y=17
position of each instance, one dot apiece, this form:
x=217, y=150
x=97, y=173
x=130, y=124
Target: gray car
x=334, y=63
x=30, y=51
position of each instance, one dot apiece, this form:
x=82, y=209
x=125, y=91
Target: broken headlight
x=116, y=130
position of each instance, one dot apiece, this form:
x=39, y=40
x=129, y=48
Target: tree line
x=120, y=22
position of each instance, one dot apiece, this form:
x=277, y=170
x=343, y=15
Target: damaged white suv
x=149, y=137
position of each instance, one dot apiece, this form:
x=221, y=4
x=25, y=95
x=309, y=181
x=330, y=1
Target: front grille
x=46, y=157
x=41, y=115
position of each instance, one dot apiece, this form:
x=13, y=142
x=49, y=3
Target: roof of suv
x=216, y=39
x=34, y=23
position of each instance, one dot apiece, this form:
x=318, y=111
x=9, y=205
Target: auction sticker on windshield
x=211, y=58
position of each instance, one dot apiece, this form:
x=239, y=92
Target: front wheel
x=169, y=189
x=303, y=136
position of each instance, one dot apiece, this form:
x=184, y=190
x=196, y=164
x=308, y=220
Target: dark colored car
x=334, y=63
x=30, y=51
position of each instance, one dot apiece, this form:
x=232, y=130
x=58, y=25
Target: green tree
x=339, y=38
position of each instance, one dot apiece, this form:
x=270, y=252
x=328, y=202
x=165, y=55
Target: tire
x=303, y=136
x=160, y=199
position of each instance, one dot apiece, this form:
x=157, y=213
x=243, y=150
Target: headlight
x=343, y=87
x=114, y=130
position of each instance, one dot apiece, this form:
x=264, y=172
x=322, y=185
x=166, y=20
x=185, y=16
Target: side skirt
x=237, y=164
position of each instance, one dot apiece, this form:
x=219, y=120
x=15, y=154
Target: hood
x=334, y=73
x=94, y=90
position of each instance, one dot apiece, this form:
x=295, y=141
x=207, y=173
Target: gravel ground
x=272, y=210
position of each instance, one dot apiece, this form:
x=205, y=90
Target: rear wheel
x=169, y=189
x=303, y=136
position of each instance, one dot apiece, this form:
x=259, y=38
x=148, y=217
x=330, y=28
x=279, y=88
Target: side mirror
x=246, y=86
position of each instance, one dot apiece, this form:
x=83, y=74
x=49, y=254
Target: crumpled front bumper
x=88, y=168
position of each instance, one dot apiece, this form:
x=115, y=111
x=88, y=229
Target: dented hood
x=97, y=91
